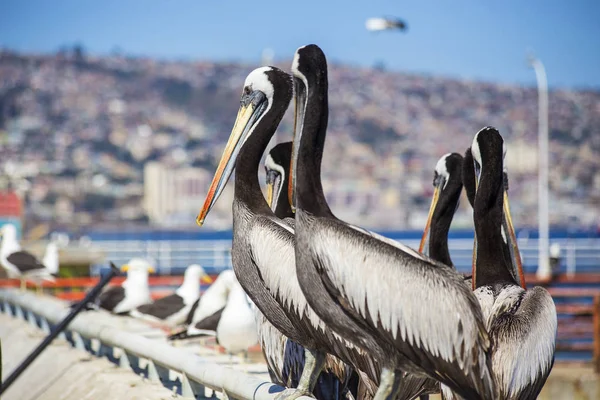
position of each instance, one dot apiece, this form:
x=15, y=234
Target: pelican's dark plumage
x=521, y=322
x=447, y=184
x=263, y=245
x=372, y=290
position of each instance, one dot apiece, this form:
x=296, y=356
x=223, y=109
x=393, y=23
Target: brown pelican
x=263, y=245
x=510, y=250
x=447, y=187
x=447, y=184
x=412, y=313
x=521, y=323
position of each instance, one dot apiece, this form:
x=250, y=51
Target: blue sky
x=484, y=39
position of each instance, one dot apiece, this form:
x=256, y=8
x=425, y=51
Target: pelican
x=263, y=245
x=286, y=359
x=510, y=248
x=521, y=323
x=447, y=184
x=174, y=308
x=277, y=166
x=413, y=314
x=19, y=263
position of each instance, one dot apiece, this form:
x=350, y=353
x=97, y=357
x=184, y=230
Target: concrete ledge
x=164, y=361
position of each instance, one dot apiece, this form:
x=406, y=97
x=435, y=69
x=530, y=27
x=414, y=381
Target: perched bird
x=372, y=290
x=447, y=184
x=132, y=293
x=521, y=322
x=51, y=260
x=277, y=166
x=204, y=318
x=263, y=245
x=173, y=309
x=19, y=263
x=236, y=330
x=285, y=358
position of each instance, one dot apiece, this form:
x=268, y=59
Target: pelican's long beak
x=511, y=239
x=425, y=238
x=299, y=113
x=251, y=109
x=272, y=178
x=477, y=169
x=206, y=279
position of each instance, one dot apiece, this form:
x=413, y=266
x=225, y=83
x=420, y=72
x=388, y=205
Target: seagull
x=205, y=317
x=19, y=263
x=132, y=293
x=173, y=309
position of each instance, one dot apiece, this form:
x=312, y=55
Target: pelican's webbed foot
x=388, y=386
x=313, y=365
x=291, y=394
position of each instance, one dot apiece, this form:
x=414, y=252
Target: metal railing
x=176, y=369
x=172, y=256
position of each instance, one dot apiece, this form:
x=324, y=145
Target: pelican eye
x=247, y=90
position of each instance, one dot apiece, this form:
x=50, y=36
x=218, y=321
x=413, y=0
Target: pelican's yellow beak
x=206, y=279
x=270, y=194
x=250, y=110
x=425, y=238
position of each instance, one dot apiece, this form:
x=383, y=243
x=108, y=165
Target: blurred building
x=11, y=210
x=172, y=194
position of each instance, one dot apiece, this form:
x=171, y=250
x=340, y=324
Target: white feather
x=441, y=169
x=237, y=331
x=524, y=352
x=273, y=251
x=397, y=293
x=189, y=290
x=213, y=299
x=136, y=288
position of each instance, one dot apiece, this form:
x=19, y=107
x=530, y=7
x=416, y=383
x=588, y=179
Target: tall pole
x=543, y=271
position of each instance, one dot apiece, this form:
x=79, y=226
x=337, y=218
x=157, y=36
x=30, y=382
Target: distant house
x=11, y=210
x=170, y=193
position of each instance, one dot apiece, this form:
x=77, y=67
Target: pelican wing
x=524, y=342
x=422, y=306
x=272, y=243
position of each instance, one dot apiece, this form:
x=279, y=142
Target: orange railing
x=74, y=289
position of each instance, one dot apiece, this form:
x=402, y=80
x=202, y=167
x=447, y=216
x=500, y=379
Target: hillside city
x=117, y=141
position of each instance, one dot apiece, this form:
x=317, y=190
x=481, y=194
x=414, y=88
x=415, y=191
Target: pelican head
x=309, y=69
x=446, y=180
x=277, y=165
x=489, y=149
x=256, y=101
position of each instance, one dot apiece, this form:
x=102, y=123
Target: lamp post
x=543, y=271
